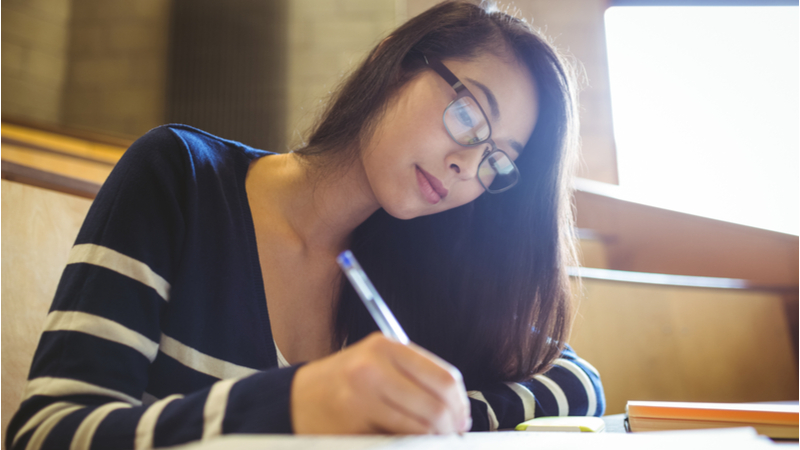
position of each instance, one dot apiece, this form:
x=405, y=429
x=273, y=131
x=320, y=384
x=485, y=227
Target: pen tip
x=345, y=258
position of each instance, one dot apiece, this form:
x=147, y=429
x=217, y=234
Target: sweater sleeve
x=90, y=369
x=571, y=387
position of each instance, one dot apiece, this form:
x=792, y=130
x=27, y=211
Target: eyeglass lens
x=497, y=172
x=467, y=124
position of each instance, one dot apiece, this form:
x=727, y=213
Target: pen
x=372, y=300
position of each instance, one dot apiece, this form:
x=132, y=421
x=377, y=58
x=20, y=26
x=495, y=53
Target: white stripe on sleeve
x=201, y=362
x=588, y=366
x=526, y=396
x=585, y=381
x=43, y=431
x=146, y=428
x=103, y=328
x=214, y=409
x=59, y=387
x=493, y=423
x=82, y=440
x=116, y=261
x=40, y=416
x=558, y=394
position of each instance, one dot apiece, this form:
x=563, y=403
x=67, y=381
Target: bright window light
x=705, y=109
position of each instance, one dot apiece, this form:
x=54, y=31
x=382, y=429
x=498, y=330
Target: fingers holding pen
x=378, y=385
x=344, y=393
x=426, y=387
x=455, y=379
x=441, y=379
x=423, y=385
x=434, y=389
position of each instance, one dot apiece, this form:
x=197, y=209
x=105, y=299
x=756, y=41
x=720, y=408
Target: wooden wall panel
x=671, y=343
x=591, y=251
x=39, y=227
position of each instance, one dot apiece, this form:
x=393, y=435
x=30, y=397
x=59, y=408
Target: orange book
x=778, y=421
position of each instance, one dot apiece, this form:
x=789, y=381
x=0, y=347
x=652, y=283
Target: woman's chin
x=408, y=210
x=403, y=214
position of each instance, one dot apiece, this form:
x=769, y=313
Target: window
x=705, y=109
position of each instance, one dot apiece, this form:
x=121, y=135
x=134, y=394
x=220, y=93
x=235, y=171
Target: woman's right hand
x=379, y=386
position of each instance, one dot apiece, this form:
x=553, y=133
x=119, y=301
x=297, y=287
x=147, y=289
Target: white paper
x=729, y=439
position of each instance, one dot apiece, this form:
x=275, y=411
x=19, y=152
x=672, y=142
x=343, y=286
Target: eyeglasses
x=468, y=125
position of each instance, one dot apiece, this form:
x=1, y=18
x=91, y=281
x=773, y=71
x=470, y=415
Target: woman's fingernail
x=466, y=424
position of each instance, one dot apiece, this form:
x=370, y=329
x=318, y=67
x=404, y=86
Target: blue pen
x=372, y=300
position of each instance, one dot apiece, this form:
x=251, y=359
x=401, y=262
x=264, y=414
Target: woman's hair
x=483, y=285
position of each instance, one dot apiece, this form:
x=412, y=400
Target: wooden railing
x=642, y=238
x=51, y=160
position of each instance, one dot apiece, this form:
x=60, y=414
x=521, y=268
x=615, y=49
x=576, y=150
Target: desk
x=615, y=423
x=729, y=439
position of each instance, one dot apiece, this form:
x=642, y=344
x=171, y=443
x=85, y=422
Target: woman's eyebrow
x=490, y=97
x=495, y=111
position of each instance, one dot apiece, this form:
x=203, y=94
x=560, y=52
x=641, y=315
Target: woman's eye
x=463, y=115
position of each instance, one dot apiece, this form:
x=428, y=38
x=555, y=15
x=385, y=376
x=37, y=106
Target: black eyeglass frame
x=462, y=91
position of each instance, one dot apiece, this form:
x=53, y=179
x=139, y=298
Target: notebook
x=778, y=421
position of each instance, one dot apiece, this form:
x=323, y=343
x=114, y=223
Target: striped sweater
x=159, y=333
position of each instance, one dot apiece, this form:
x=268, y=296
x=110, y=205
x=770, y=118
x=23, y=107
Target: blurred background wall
x=255, y=71
x=35, y=45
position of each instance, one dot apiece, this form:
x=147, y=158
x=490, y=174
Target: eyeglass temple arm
x=445, y=73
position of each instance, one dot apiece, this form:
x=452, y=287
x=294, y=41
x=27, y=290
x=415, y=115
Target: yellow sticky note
x=570, y=423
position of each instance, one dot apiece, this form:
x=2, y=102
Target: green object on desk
x=569, y=423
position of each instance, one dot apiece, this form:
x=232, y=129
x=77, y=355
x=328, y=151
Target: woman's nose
x=465, y=161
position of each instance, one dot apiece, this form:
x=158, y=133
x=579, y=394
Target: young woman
x=202, y=296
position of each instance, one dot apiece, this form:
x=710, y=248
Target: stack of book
x=777, y=421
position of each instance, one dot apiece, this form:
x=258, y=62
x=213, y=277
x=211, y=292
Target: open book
x=778, y=421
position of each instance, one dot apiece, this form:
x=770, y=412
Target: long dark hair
x=483, y=285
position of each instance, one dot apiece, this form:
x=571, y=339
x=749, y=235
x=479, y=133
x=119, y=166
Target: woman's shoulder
x=181, y=151
x=180, y=157
x=200, y=144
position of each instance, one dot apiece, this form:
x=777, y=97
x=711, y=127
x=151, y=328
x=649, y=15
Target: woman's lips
x=430, y=186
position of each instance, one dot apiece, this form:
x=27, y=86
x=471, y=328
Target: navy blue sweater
x=159, y=332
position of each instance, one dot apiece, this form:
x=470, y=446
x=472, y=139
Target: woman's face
x=414, y=167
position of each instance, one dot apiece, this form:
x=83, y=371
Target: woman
x=204, y=275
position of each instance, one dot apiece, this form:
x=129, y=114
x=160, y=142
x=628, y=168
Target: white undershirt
x=281, y=360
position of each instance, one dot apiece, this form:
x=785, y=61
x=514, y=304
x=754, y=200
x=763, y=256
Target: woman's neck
x=317, y=210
